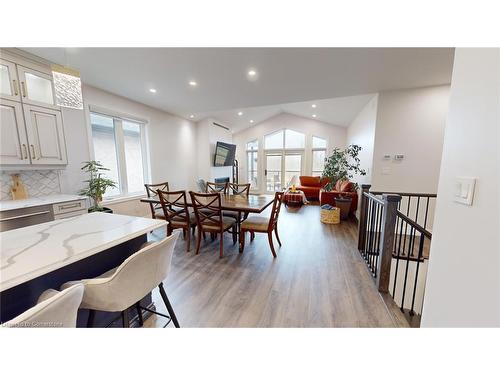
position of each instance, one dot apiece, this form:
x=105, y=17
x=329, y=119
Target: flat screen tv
x=224, y=154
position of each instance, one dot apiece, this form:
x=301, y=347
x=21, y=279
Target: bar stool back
x=124, y=287
x=53, y=310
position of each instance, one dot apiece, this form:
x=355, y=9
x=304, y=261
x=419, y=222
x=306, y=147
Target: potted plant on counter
x=97, y=185
x=339, y=166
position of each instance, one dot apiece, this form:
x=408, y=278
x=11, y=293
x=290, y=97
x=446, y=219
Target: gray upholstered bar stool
x=53, y=310
x=123, y=287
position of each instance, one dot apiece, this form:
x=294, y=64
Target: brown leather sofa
x=312, y=185
x=343, y=188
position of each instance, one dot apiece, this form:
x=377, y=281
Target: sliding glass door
x=281, y=167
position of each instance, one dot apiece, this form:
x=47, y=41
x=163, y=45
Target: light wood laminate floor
x=317, y=280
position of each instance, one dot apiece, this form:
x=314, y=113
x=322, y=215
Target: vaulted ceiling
x=282, y=75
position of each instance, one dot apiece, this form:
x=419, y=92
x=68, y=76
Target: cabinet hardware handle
x=24, y=155
x=23, y=89
x=26, y=215
x=33, y=151
x=16, y=90
x=66, y=206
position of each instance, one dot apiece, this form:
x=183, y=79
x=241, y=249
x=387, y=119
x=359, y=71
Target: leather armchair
x=343, y=188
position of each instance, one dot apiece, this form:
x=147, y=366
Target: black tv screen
x=224, y=154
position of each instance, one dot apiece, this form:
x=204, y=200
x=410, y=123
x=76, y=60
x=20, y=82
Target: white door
x=9, y=84
x=37, y=88
x=45, y=135
x=13, y=141
x=273, y=172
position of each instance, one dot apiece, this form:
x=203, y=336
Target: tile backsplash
x=38, y=183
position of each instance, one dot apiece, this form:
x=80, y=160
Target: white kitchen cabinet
x=45, y=132
x=31, y=125
x=13, y=139
x=37, y=88
x=9, y=83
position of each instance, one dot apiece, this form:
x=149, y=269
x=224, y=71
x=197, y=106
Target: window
x=283, y=158
x=119, y=146
x=318, y=155
x=252, y=157
x=274, y=141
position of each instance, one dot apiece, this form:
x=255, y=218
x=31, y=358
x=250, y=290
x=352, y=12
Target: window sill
x=123, y=198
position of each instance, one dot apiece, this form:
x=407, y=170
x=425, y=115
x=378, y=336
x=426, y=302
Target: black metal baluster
x=368, y=230
x=416, y=221
x=420, y=251
x=397, y=259
x=377, y=254
x=406, y=269
x=372, y=232
x=426, y=213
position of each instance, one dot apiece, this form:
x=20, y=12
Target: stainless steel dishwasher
x=23, y=217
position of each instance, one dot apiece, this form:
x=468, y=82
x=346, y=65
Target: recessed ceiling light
x=252, y=75
x=314, y=106
x=314, y=116
x=240, y=113
x=191, y=116
x=152, y=90
x=251, y=121
x=193, y=83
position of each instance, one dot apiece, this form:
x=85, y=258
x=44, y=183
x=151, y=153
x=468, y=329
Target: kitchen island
x=47, y=255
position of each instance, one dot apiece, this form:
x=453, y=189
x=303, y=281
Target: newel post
x=362, y=217
x=387, y=240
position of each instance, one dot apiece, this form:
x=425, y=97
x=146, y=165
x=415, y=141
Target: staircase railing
x=395, y=246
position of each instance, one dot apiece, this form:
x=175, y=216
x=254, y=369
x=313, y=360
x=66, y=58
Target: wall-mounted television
x=224, y=154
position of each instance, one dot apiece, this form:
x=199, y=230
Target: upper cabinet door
x=37, y=88
x=13, y=141
x=9, y=83
x=46, y=135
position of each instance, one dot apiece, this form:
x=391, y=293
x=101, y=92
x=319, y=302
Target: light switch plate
x=464, y=190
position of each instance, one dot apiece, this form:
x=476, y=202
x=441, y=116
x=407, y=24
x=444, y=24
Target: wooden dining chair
x=237, y=189
x=151, y=191
x=262, y=224
x=216, y=187
x=176, y=213
x=208, y=211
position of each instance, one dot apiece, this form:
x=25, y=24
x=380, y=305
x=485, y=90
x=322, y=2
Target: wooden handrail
x=423, y=195
x=414, y=224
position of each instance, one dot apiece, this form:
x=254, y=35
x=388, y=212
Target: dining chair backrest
x=275, y=211
x=152, y=191
x=138, y=275
x=59, y=310
x=174, y=205
x=238, y=189
x=208, y=210
x=216, y=187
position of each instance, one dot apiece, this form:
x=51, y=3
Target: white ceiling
x=336, y=111
x=285, y=75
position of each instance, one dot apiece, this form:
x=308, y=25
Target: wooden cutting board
x=18, y=189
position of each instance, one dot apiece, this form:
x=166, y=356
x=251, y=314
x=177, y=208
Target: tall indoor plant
x=97, y=184
x=343, y=165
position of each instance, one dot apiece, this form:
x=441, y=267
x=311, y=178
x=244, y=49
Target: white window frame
x=313, y=149
x=120, y=148
x=256, y=152
x=283, y=152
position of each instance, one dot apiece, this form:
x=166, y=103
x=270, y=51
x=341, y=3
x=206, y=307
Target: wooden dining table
x=241, y=204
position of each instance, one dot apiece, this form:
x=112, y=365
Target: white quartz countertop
x=29, y=252
x=38, y=201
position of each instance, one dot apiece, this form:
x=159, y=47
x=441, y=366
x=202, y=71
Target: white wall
x=208, y=135
x=463, y=284
x=335, y=136
x=361, y=132
x=171, y=144
x=409, y=122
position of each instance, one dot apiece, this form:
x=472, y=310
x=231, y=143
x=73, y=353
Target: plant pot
x=344, y=204
x=106, y=210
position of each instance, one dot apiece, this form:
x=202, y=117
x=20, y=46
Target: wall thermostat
x=399, y=157
x=387, y=157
